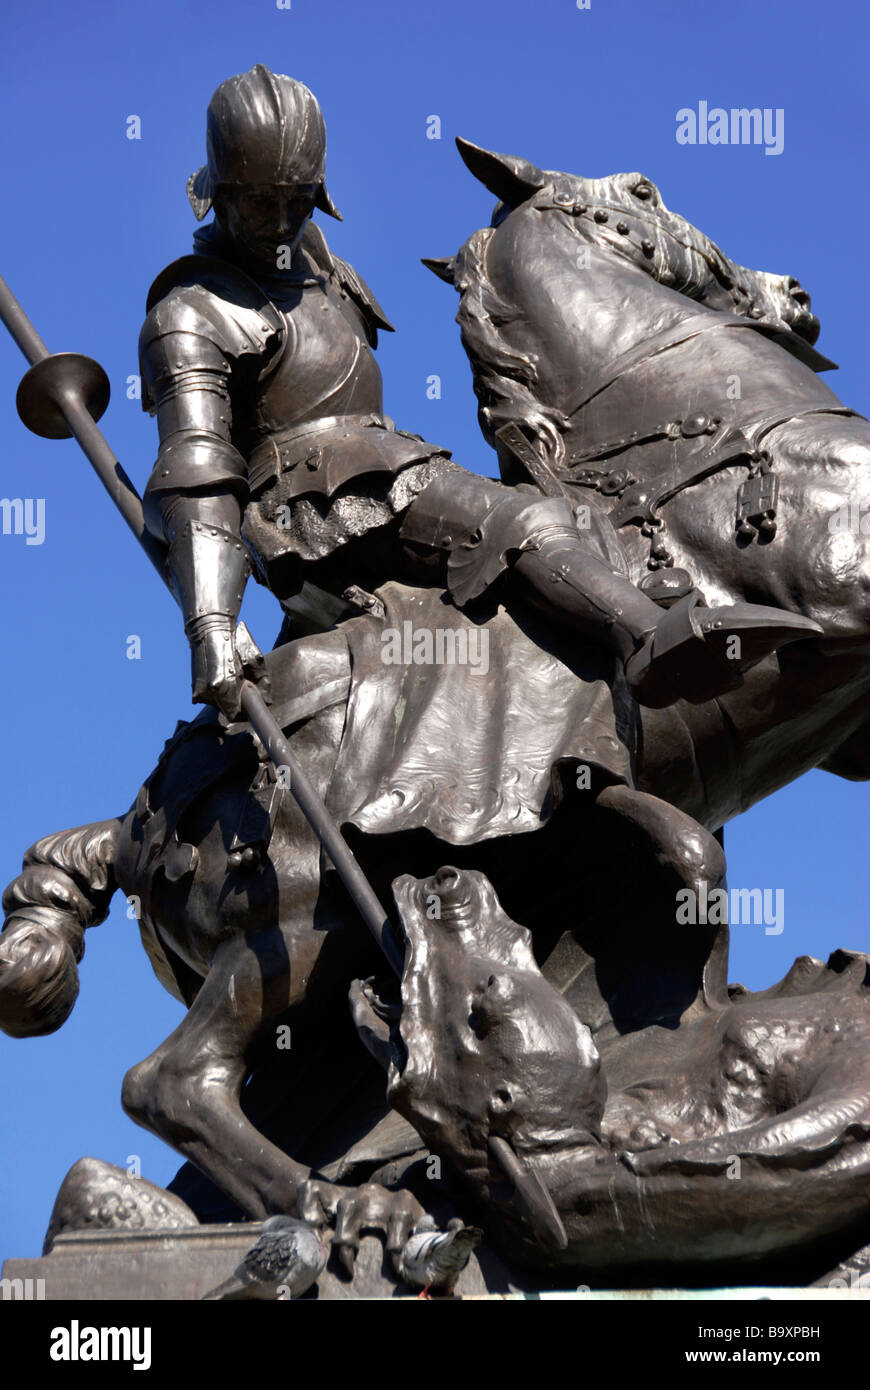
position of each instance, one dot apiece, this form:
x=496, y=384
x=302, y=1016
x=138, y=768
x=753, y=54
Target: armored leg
x=690, y=652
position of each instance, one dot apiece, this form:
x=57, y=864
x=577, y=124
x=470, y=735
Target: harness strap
x=640, y=502
x=666, y=338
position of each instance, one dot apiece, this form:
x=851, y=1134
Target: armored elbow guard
x=196, y=459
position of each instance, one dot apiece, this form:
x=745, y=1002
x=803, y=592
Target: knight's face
x=266, y=221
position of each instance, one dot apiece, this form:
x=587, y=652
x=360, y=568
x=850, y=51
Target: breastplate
x=326, y=366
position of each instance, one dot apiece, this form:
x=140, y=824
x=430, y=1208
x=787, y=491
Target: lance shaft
x=56, y=390
x=66, y=376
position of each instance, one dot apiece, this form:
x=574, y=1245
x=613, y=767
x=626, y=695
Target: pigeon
x=283, y=1263
x=435, y=1259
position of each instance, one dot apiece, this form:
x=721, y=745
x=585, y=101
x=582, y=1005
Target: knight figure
x=257, y=356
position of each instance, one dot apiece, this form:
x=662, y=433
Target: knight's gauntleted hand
x=216, y=669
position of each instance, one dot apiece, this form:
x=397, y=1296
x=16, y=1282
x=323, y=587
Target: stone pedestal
x=179, y=1265
x=186, y=1264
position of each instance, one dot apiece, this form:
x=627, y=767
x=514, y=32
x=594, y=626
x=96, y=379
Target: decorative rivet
x=622, y=228
x=600, y=215
x=647, y=247
x=695, y=424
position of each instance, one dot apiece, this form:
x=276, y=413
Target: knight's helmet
x=262, y=128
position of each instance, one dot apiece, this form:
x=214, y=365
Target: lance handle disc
x=57, y=381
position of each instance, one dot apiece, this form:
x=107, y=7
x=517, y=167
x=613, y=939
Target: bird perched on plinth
x=284, y=1262
x=433, y=1259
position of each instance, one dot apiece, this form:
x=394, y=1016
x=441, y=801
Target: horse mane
x=503, y=377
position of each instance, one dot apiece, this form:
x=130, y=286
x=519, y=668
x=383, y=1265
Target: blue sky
x=90, y=219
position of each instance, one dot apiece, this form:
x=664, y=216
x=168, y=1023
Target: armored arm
x=196, y=494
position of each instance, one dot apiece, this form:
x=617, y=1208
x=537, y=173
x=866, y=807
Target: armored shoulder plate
x=314, y=243
x=210, y=299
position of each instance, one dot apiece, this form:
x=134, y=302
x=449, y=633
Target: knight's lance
x=63, y=395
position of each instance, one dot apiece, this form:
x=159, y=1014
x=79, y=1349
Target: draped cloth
x=472, y=751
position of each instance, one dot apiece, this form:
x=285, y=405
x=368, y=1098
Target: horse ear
x=532, y=1197
x=442, y=266
x=511, y=179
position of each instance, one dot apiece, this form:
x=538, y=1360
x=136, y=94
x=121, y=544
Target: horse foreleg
x=659, y=856
x=187, y=1092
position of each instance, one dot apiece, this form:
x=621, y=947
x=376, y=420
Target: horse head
x=626, y=216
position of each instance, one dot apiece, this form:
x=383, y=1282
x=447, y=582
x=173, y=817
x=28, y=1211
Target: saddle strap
x=681, y=332
x=660, y=342
x=640, y=502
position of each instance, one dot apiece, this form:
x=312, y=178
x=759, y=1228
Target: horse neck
x=608, y=330
x=573, y=320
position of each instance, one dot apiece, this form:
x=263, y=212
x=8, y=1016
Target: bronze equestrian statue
x=673, y=631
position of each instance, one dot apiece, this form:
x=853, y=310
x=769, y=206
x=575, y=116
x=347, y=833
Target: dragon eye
x=643, y=190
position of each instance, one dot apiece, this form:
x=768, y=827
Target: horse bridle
x=566, y=202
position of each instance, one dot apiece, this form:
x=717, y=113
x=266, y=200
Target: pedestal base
x=95, y=1266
